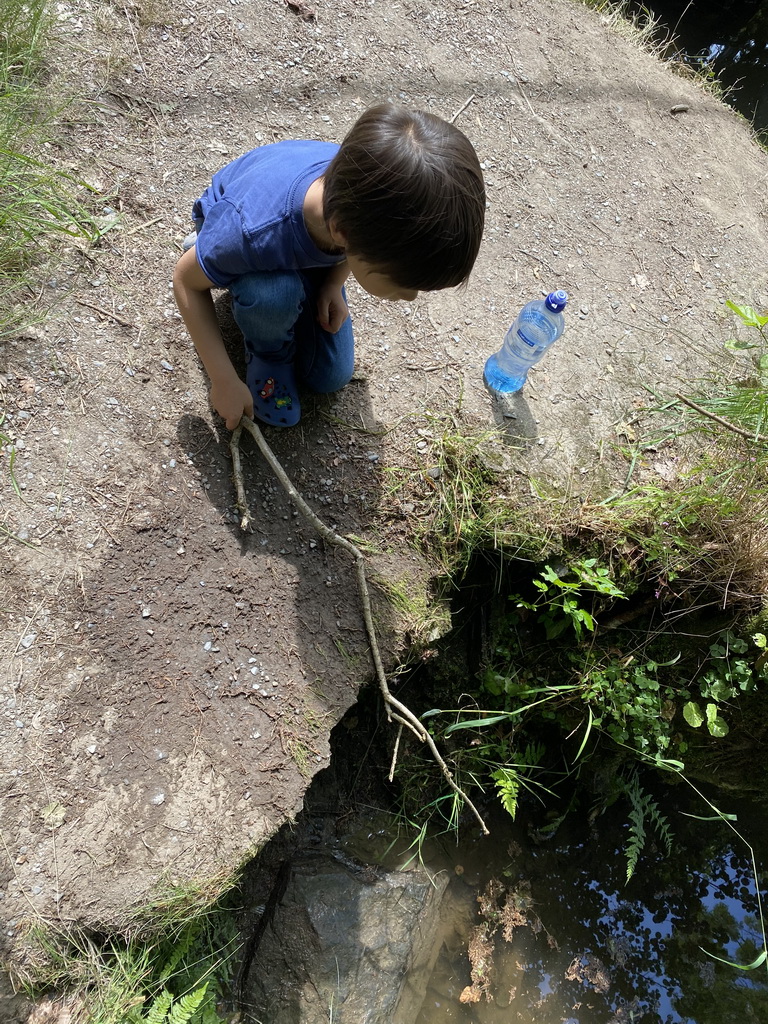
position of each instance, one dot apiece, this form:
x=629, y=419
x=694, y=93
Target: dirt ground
x=168, y=683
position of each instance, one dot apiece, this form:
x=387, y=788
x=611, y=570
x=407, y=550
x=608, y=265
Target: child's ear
x=337, y=235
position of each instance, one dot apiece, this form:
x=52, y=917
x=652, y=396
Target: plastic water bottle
x=538, y=325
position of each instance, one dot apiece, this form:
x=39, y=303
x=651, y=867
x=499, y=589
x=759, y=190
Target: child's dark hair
x=407, y=192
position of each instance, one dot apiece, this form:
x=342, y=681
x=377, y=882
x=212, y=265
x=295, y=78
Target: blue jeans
x=276, y=311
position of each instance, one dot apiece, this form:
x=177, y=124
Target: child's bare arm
x=230, y=396
x=332, y=310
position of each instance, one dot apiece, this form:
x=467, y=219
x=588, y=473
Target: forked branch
x=396, y=710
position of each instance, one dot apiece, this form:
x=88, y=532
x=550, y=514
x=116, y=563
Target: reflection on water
x=595, y=950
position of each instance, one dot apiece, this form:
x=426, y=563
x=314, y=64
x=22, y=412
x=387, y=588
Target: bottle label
x=527, y=341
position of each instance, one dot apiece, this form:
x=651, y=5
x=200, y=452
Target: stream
x=596, y=949
x=564, y=938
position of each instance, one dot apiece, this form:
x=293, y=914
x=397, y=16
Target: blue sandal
x=275, y=396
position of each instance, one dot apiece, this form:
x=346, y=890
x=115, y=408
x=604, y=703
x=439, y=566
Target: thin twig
x=396, y=710
x=135, y=40
x=142, y=227
x=462, y=108
x=395, y=752
x=106, y=312
x=237, y=473
x=719, y=419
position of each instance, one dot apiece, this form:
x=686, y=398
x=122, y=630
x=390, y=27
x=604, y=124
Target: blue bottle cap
x=556, y=301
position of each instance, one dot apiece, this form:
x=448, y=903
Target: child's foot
x=273, y=386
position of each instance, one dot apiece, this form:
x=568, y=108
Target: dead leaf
x=53, y=814
x=28, y=385
x=624, y=430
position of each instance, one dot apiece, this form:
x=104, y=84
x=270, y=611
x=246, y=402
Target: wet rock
x=358, y=944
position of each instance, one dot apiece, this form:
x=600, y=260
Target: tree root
x=396, y=710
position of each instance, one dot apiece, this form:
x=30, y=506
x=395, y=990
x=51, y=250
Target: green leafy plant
x=561, y=600
x=626, y=699
x=729, y=673
x=166, y=1009
x=37, y=200
x=750, y=318
x=177, y=978
x=740, y=403
x=511, y=777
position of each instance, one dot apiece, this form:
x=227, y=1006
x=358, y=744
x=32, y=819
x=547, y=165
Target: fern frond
x=660, y=823
x=157, y=1013
x=183, y=944
x=636, y=837
x=208, y=1014
x=508, y=787
x=184, y=1009
x=643, y=807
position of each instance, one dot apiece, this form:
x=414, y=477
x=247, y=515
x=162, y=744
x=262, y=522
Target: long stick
x=395, y=709
x=719, y=419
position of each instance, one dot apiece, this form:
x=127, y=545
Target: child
x=399, y=205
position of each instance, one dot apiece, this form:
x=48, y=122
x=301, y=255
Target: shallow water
x=607, y=951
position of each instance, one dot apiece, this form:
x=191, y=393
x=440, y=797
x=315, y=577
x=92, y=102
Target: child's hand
x=232, y=400
x=332, y=310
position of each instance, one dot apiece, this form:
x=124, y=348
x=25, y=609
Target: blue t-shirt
x=252, y=213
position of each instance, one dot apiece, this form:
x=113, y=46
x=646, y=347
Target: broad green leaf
x=718, y=727
x=720, y=690
x=587, y=619
x=692, y=714
x=747, y=315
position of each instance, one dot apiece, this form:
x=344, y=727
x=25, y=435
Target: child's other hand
x=332, y=310
x=232, y=400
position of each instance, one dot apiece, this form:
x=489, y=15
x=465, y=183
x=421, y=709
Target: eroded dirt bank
x=170, y=684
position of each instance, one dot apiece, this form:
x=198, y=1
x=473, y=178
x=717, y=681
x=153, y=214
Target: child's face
x=378, y=284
